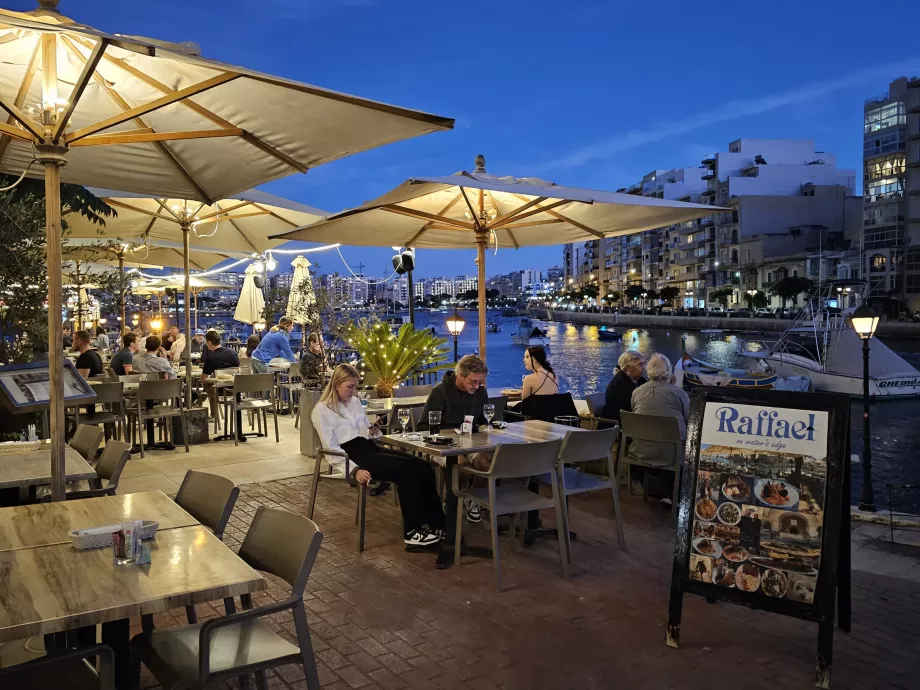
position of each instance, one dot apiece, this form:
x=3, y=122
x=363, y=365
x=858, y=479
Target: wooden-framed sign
x=26, y=387
x=763, y=519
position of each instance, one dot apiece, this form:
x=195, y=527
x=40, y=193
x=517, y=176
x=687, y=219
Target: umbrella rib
x=12, y=132
x=519, y=209
x=275, y=215
x=565, y=219
x=165, y=207
x=531, y=223
x=21, y=96
x=533, y=212
x=224, y=211
x=411, y=212
x=432, y=224
x=129, y=207
x=89, y=68
x=154, y=105
x=204, y=112
x=20, y=117
x=143, y=137
x=123, y=104
x=469, y=205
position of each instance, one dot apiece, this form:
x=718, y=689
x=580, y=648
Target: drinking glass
x=403, y=417
x=488, y=411
x=567, y=420
x=434, y=422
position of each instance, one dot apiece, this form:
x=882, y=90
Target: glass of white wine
x=488, y=411
x=403, y=417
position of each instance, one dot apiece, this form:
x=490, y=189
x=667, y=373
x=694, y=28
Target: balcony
x=709, y=159
x=708, y=221
x=688, y=260
x=709, y=175
x=708, y=193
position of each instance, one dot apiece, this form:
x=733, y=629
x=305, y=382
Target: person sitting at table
x=89, y=363
x=68, y=341
x=219, y=357
x=198, y=345
x=274, y=344
x=662, y=398
x=542, y=379
x=149, y=362
x=177, y=349
x=123, y=361
x=312, y=361
x=252, y=342
x=101, y=341
x=341, y=423
x=619, y=392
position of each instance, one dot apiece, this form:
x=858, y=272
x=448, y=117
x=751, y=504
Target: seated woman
x=341, y=423
x=625, y=381
x=542, y=379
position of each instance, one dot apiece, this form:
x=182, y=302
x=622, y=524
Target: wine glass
x=403, y=417
x=488, y=411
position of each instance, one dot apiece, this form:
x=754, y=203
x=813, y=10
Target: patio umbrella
x=468, y=210
x=154, y=117
x=197, y=285
x=301, y=298
x=251, y=302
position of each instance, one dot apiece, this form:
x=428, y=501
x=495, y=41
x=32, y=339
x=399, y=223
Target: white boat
x=822, y=345
x=528, y=334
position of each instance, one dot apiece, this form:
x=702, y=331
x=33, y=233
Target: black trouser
x=414, y=479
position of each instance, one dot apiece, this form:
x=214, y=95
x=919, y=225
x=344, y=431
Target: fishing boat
x=528, y=334
x=608, y=334
x=700, y=373
x=711, y=330
x=822, y=345
x=494, y=327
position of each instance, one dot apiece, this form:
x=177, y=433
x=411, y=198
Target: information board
x=762, y=511
x=26, y=387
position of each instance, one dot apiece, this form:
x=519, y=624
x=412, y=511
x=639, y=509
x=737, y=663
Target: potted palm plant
x=393, y=357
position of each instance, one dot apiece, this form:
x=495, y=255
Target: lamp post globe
x=455, y=324
x=865, y=321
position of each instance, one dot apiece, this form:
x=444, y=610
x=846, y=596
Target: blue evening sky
x=587, y=93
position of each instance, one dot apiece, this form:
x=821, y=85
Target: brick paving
x=387, y=619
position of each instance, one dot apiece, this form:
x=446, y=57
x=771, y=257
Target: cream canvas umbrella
x=301, y=299
x=197, y=285
x=251, y=303
x=468, y=210
x=149, y=116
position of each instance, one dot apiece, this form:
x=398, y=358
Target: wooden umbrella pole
x=186, y=227
x=121, y=270
x=482, y=239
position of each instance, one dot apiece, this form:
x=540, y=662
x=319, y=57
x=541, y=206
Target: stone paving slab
x=387, y=619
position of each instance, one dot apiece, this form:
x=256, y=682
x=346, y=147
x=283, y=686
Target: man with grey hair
x=661, y=398
x=626, y=379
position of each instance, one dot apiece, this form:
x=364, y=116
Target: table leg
x=115, y=634
x=452, y=505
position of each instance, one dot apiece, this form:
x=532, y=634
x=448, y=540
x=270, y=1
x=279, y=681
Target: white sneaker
x=421, y=537
x=473, y=511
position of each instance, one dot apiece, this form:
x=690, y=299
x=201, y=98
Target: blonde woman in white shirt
x=341, y=423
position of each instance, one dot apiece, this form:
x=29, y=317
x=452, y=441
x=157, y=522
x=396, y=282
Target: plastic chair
x=415, y=417
x=322, y=452
x=254, y=383
x=501, y=404
x=596, y=402
x=51, y=671
x=514, y=461
x=86, y=441
x=201, y=655
x=109, y=468
x=411, y=391
x=209, y=498
x=664, y=432
x=111, y=396
x=167, y=393
x=579, y=448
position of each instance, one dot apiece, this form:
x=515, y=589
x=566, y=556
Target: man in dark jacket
x=620, y=389
x=461, y=392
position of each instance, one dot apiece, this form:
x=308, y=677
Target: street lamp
x=455, y=324
x=865, y=321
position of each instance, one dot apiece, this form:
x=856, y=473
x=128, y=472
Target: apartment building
x=912, y=189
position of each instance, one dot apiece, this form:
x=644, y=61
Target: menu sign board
x=761, y=503
x=27, y=387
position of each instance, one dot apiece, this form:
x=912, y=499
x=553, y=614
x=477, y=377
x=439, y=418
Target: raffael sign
x=777, y=429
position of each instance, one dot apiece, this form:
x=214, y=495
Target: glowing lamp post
x=455, y=324
x=865, y=321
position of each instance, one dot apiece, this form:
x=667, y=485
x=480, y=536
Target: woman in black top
x=620, y=389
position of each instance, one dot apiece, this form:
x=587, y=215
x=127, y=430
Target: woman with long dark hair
x=542, y=379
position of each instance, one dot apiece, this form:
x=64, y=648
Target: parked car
x=764, y=313
x=740, y=314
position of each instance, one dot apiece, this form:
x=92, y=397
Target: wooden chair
x=665, y=433
x=244, y=384
x=111, y=396
x=166, y=396
x=209, y=498
x=204, y=654
x=514, y=462
x=86, y=441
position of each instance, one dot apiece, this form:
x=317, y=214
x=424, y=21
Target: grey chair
x=596, y=402
x=663, y=431
x=415, y=417
x=248, y=384
x=86, y=441
x=209, y=498
x=501, y=404
x=108, y=469
x=111, y=396
x=578, y=449
x=322, y=453
x=165, y=397
x=50, y=671
x=202, y=655
x=411, y=391
x=513, y=462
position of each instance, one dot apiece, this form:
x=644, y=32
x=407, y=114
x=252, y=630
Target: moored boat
x=528, y=334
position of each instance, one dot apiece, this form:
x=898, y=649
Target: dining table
x=484, y=440
x=380, y=407
x=49, y=586
x=28, y=465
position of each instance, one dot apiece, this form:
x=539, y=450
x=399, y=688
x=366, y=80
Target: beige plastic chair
x=201, y=655
x=653, y=428
x=209, y=498
x=321, y=453
x=86, y=441
x=108, y=469
x=411, y=391
x=166, y=395
x=512, y=462
x=580, y=448
x=244, y=384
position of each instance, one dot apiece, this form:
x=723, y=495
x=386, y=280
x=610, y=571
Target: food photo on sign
x=759, y=492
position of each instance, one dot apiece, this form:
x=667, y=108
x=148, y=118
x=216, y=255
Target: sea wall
x=695, y=323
